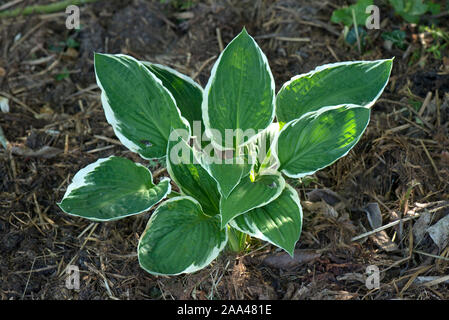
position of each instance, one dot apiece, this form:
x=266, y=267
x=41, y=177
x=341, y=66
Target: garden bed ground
x=56, y=126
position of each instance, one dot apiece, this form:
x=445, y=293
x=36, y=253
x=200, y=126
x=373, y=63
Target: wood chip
x=284, y=261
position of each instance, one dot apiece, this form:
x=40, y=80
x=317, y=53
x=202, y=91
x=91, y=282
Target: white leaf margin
x=176, y=73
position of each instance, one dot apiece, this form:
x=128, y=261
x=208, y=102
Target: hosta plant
x=228, y=148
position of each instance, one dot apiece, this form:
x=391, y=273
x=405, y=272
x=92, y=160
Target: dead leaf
x=352, y=276
x=45, y=113
x=289, y=292
x=320, y=207
x=301, y=293
x=45, y=152
x=446, y=63
x=3, y=140
x=284, y=261
x=383, y=241
x=373, y=214
x=46, y=109
x=327, y=294
x=4, y=104
x=186, y=15
x=263, y=292
x=439, y=232
x=327, y=195
x=421, y=225
x=426, y=280
x=71, y=53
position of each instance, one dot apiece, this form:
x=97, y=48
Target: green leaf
x=180, y=238
x=112, y=188
x=397, y=37
x=140, y=109
x=320, y=138
x=228, y=175
x=226, y=172
x=434, y=8
x=187, y=93
x=344, y=15
x=239, y=94
x=410, y=10
x=63, y=75
x=191, y=178
x=279, y=222
x=248, y=195
x=360, y=83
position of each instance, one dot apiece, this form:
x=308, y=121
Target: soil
x=56, y=126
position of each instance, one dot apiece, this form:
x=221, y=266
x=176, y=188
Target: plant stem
x=44, y=8
x=356, y=29
x=173, y=194
x=237, y=240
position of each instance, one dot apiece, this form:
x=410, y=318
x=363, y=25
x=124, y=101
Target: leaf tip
x=244, y=33
x=101, y=57
x=59, y=204
x=390, y=61
x=98, y=55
